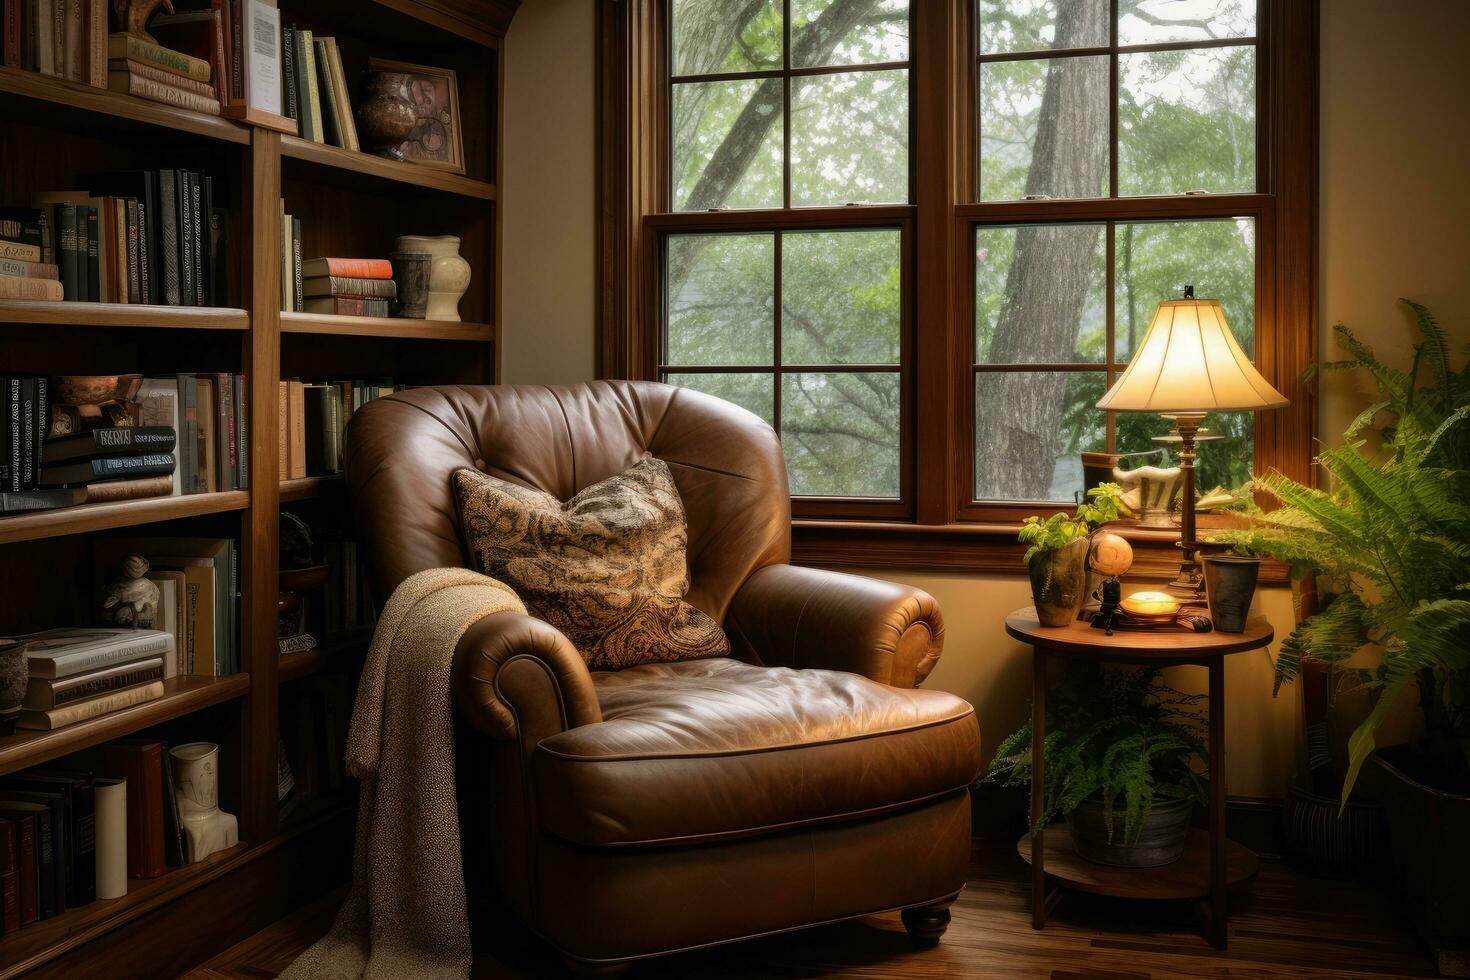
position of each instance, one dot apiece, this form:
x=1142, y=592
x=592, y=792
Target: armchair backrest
x=402, y=451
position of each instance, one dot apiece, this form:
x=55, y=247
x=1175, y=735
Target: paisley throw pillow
x=607, y=567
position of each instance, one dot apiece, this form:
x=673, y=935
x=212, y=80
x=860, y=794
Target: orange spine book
x=147, y=88
x=42, y=289
x=348, y=268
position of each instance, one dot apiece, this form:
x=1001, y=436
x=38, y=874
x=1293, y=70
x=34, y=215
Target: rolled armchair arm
x=789, y=616
x=517, y=677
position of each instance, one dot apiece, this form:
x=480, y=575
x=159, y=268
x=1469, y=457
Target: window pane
x=710, y=36
x=1156, y=260
x=840, y=433
x=1041, y=294
x=840, y=297
x=1187, y=121
x=850, y=138
x=727, y=144
x=1155, y=21
x=1030, y=428
x=721, y=294
x=1044, y=128
x=1034, y=25
x=1223, y=463
x=753, y=392
x=880, y=35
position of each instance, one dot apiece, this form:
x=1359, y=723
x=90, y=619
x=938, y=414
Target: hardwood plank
x=123, y=315
x=119, y=513
x=73, y=98
x=395, y=327
x=181, y=696
x=307, y=487
x=393, y=171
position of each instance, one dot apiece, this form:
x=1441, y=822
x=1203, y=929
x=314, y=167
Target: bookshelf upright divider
x=352, y=204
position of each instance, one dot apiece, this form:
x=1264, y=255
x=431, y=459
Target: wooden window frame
x=939, y=527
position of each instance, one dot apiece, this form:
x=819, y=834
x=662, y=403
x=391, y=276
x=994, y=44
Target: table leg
x=1038, y=786
x=1218, y=911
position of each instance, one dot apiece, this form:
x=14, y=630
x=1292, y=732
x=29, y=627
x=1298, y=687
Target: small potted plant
x=1124, y=765
x=1057, y=559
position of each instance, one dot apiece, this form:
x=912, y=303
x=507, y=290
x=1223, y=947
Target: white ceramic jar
x=449, y=273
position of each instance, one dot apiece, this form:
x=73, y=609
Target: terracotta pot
x=449, y=273
x=1160, y=841
x=1059, y=582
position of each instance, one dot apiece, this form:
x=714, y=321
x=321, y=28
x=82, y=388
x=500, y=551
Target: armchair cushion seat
x=720, y=749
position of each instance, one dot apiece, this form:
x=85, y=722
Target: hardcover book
x=104, y=704
x=107, y=468
x=68, y=651
x=110, y=441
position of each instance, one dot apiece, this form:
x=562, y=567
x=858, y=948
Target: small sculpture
x=133, y=15
x=206, y=827
x=132, y=598
x=1151, y=492
x=1110, y=557
x=385, y=118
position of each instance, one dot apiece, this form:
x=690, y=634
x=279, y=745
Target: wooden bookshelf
x=395, y=327
x=52, y=134
x=123, y=315
x=181, y=696
x=114, y=514
x=66, y=100
x=406, y=176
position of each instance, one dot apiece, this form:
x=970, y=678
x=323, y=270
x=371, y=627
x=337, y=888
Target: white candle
x=110, y=798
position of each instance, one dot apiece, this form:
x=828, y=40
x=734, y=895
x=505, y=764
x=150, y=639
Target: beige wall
x=548, y=271
x=1395, y=222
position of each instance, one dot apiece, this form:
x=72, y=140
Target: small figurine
x=132, y=16
x=206, y=827
x=132, y=598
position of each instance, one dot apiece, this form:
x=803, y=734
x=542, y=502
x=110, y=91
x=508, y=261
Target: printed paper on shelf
x=263, y=55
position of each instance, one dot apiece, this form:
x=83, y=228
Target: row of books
x=313, y=728
x=313, y=422
x=314, y=88
x=51, y=819
x=61, y=38
x=133, y=237
x=181, y=434
x=337, y=286
x=202, y=575
x=346, y=601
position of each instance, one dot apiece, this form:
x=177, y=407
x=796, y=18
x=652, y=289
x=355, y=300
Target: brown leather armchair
x=629, y=814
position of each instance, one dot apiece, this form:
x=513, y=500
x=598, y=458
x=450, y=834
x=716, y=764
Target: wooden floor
x=1286, y=925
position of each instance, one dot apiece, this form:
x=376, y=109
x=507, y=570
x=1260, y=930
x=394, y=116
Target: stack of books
x=130, y=237
x=152, y=71
x=61, y=38
x=25, y=270
x=77, y=673
x=314, y=88
x=348, y=287
x=313, y=420
x=198, y=582
x=48, y=857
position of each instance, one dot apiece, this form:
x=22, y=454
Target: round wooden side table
x=1211, y=864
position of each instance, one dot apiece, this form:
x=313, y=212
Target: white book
x=262, y=33
x=72, y=650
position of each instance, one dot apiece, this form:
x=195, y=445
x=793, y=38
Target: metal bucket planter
x=1160, y=842
x=1059, y=582
x=1230, y=583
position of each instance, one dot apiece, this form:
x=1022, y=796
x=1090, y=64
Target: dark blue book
x=107, y=468
x=112, y=441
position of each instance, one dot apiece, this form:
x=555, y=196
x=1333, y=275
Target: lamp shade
x=1189, y=362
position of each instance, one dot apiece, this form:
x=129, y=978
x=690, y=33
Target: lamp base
x=1189, y=584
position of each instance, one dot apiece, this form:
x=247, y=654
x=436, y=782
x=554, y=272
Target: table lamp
x=1188, y=366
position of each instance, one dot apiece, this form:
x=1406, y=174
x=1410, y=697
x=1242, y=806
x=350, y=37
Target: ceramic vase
x=1160, y=840
x=1059, y=582
x=1230, y=585
x=12, y=683
x=449, y=273
x=411, y=273
x=206, y=827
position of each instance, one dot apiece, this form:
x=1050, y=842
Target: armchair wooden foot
x=926, y=923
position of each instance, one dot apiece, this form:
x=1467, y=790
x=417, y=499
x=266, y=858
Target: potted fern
x=1390, y=544
x=1124, y=765
x=1056, y=562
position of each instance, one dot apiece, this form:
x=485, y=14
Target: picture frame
x=437, y=140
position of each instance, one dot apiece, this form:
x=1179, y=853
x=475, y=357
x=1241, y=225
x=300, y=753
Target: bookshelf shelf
x=181, y=696
x=123, y=315
x=394, y=327
x=406, y=174
x=44, y=941
x=121, y=513
x=60, y=100
x=305, y=488
x=297, y=665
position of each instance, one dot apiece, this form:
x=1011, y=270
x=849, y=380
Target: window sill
x=989, y=548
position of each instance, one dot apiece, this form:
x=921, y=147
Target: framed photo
x=436, y=139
